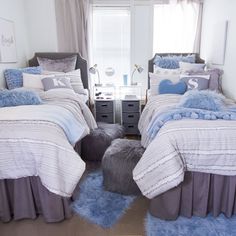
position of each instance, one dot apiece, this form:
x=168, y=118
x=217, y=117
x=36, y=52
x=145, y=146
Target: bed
x=38, y=152
x=196, y=187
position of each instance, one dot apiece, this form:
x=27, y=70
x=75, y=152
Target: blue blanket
x=194, y=105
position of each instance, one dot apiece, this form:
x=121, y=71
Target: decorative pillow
x=63, y=65
x=207, y=100
x=163, y=71
x=215, y=78
x=168, y=87
x=75, y=80
x=14, y=77
x=56, y=83
x=18, y=97
x=34, y=81
x=185, y=66
x=155, y=80
x=172, y=62
x=196, y=82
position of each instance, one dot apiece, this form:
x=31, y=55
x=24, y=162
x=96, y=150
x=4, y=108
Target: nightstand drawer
x=130, y=106
x=131, y=118
x=131, y=129
x=104, y=106
x=105, y=117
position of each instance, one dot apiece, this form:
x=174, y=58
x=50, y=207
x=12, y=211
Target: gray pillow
x=56, y=83
x=62, y=65
x=196, y=82
x=215, y=78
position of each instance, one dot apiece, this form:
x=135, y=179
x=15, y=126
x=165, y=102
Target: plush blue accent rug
x=97, y=205
x=195, y=226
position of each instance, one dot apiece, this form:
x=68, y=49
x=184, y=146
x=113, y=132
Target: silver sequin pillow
x=62, y=65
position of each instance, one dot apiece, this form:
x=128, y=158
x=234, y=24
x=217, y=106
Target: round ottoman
x=118, y=163
x=94, y=145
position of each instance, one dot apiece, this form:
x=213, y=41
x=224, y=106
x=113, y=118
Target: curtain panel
x=177, y=26
x=72, y=19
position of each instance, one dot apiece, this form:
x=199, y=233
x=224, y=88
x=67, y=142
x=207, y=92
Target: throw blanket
x=191, y=107
x=182, y=145
x=37, y=140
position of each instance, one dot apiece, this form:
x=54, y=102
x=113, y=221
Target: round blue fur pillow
x=203, y=99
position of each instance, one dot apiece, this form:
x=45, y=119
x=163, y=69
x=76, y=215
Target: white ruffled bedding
x=182, y=145
x=38, y=140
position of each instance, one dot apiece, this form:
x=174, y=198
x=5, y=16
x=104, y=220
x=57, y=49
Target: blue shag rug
x=195, y=226
x=97, y=205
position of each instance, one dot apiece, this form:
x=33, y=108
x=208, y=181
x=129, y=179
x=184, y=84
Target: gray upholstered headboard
x=151, y=61
x=80, y=64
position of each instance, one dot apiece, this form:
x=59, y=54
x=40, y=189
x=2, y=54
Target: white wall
x=41, y=25
x=216, y=11
x=14, y=10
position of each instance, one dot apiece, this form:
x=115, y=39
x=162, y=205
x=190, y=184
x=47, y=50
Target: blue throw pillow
x=14, y=77
x=18, y=97
x=172, y=62
x=167, y=87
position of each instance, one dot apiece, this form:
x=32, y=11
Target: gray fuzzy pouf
x=95, y=144
x=118, y=163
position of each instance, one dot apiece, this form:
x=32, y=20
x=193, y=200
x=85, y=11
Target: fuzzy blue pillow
x=14, y=77
x=18, y=97
x=168, y=87
x=204, y=99
x=172, y=62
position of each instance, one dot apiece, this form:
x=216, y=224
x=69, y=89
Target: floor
x=131, y=224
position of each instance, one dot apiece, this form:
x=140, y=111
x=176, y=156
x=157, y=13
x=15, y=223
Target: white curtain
x=72, y=18
x=177, y=26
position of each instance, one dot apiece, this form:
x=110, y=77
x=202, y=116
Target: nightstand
x=130, y=110
x=104, y=111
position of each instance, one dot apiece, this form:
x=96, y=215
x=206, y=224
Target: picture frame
x=7, y=42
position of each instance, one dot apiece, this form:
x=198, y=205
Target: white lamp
x=93, y=70
x=136, y=68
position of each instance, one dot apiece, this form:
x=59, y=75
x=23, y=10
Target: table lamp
x=93, y=70
x=136, y=68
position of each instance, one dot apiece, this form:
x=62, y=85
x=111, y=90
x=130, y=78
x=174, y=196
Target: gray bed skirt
x=26, y=198
x=198, y=195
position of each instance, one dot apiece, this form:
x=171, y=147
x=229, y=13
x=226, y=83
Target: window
x=175, y=27
x=111, y=42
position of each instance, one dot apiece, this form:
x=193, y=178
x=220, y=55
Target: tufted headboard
x=80, y=64
x=151, y=61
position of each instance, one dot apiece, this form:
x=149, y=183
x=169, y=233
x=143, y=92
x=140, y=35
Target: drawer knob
x=104, y=105
x=130, y=116
x=130, y=105
x=104, y=116
x=130, y=126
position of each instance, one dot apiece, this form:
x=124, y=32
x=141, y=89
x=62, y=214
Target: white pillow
x=155, y=80
x=163, y=71
x=32, y=81
x=185, y=66
x=75, y=79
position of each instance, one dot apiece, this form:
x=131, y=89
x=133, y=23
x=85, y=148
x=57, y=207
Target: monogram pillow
x=56, y=83
x=196, y=82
